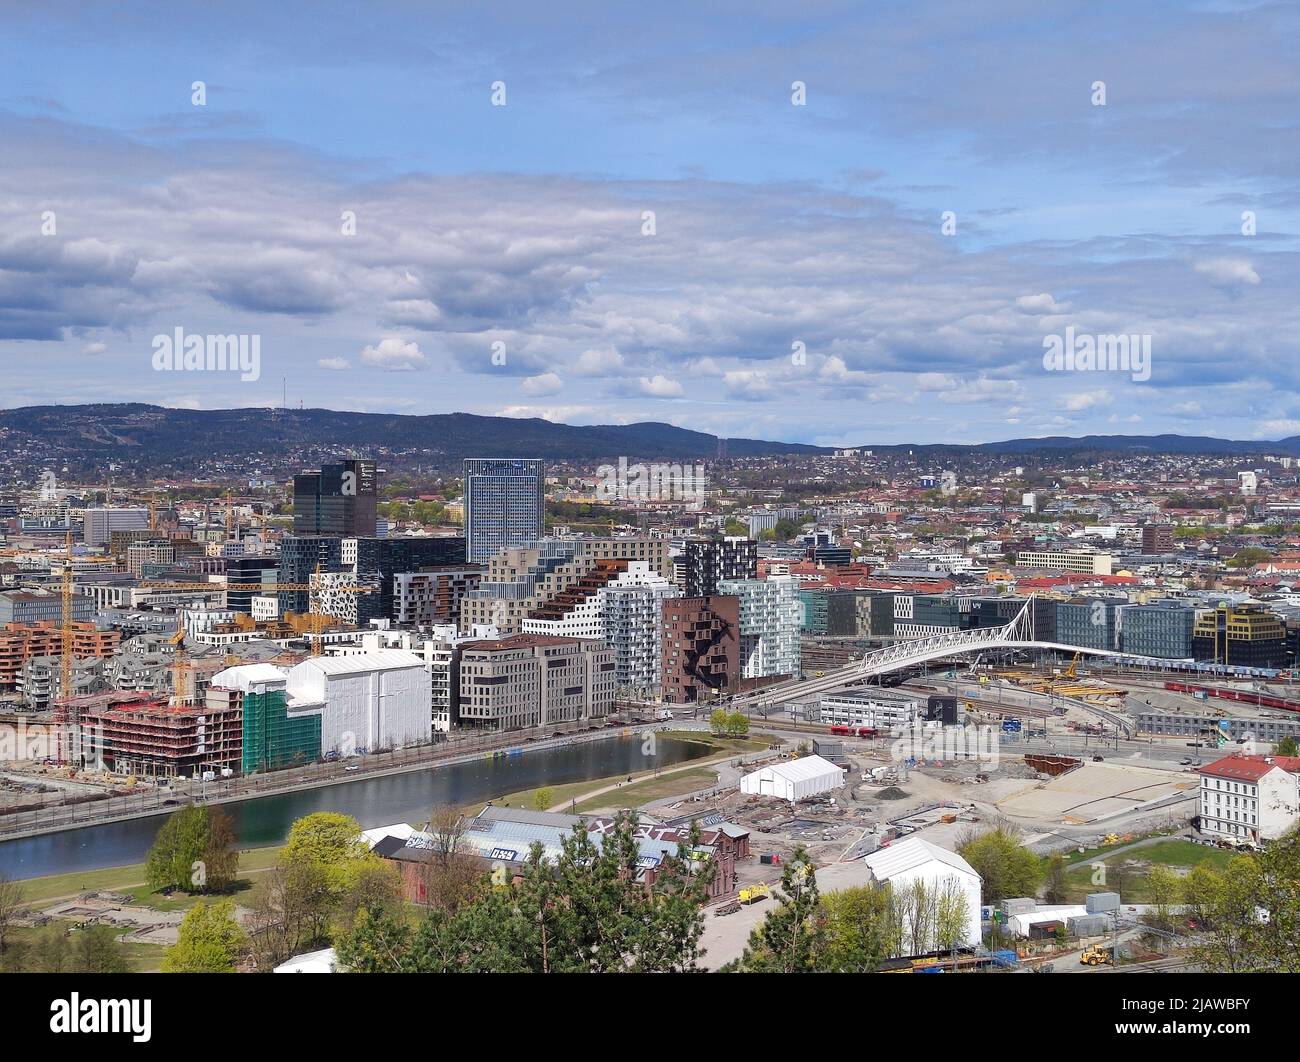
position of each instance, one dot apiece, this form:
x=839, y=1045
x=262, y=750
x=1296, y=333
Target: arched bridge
x=1018, y=634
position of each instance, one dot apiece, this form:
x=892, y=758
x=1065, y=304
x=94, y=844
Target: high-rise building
x=701, y=648
x=247, y=570
x=634, y=629
x=771, y=614
x=379, y=560
x=340, y=499
x=504, y=505
x=300, y=556
x=579, y=610
x=99, y=524
x=1157, y=538
x=704, y=562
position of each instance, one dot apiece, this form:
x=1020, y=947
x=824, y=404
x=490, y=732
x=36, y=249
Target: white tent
x=795, y=780
x=944, y=874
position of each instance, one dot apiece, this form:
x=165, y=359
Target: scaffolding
x=274, y=739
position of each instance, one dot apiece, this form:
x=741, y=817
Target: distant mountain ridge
x=136, y=434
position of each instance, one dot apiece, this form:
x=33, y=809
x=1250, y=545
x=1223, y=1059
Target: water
x=371, y=801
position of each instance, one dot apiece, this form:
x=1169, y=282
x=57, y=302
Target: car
x=1099, y=759
x=352, y=767
x=1185, y=761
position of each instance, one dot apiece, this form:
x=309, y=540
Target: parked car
x=1099, y=759
x=352, y=767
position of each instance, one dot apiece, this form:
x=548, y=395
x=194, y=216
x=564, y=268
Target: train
x=1263, y=700
x=855, y=731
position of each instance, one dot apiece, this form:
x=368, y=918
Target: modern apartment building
x=579, y=610
x=380, y=560
x=534, y=680
x=337, y=499
x=37, y=606
x=634, y=629
x=153, y=551
x=701, y=648
x=520, y=581
x=829, y=613
x=247, y=570
x=705, y=562
x=505, y=505
x=20, y=642
x=771, y=615
x=1157, y=538
x=434, y=594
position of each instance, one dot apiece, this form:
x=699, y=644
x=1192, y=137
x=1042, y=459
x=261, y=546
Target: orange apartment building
x=19, y=642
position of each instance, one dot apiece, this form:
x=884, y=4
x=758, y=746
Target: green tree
x=587, y=911
x=1288, y=746
x=860, y=929
x=209, y=941
x=11, y=902
x=1055, y=890
x=544, y=799
x=1164, y=891
x=737, y=724
x=792, y=938
x=718, y=722
x=1006, y=869
x=95, y=949
x=194, y=851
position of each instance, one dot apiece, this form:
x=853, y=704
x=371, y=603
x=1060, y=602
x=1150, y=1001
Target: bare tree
x=11, y=904
x=454, y=871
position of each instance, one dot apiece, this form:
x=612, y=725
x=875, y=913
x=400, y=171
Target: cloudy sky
x=653, y=226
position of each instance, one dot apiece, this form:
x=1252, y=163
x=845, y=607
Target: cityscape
x=514, y=493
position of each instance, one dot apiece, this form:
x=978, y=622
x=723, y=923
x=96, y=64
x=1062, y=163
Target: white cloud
x=1228, y=272
x=605, y=362
x=1040, y=303
x=394, y=355
x=95, y=348
x=546, y=384
x=336, y=364
x=659, y=386
x=1087, y=400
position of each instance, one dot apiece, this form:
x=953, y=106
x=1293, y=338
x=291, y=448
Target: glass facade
x=272, y=738
x=504, y=505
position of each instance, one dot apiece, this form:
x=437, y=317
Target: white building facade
x=771, y=616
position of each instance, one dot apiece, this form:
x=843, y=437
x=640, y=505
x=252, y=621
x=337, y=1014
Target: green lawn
x=129, y=880
x=651, y=789
x=1175, y=853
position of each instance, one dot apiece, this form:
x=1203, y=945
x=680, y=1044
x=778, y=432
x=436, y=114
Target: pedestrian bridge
x=1018, y=634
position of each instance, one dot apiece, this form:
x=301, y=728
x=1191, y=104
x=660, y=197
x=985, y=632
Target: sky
x=824, y=222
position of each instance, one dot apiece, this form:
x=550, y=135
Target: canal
x=376, y=801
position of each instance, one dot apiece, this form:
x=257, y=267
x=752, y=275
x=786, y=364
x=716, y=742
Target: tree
x=1288, y=746
x=1055, y=891
x=792, y=938
x=210, y=940
x=589, y=910
x=860, y=930
x=95, y=949
x=194, y=851
x=737, y=724
x=718, y=722
x=543, y=798
x=452, y=875
x=1164, y=890
x=1006, y=869
x=176, y=859
x=11, y=903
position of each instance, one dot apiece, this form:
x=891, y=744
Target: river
x=375, y=801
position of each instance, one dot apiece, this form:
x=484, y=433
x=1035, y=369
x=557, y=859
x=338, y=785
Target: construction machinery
x=754, y=893
x=1096, y=956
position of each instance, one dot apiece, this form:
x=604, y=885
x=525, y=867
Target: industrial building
x=367, y=701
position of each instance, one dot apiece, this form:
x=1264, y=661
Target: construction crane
x=180, y=665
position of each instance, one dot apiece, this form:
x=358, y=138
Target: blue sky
x=518, y=229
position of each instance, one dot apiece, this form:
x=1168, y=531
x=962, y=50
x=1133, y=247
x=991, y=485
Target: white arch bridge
x=1018, y=634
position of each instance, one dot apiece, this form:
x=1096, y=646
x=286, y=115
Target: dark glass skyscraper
x=504, y=505
x=337, y=499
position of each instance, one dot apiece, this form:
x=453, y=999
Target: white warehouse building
x=369, y=701
x=808, y=776
x=946, y=877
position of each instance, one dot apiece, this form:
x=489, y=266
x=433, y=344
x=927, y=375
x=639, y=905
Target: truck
x=754, y=893
x=663, y=714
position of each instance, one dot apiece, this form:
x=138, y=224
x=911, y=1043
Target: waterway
x=377, y=801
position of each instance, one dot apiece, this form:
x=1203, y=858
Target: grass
x=651, y=789
x=1174, y=852
x=657, y=786
x=130, y=881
